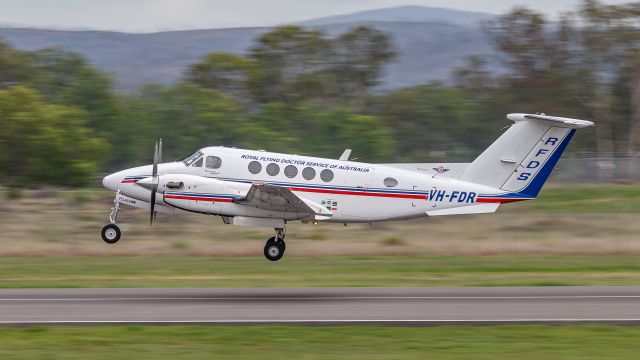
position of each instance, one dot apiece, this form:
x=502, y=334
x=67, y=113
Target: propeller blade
x=157, y=154
x=155, y=161
x=153, y=203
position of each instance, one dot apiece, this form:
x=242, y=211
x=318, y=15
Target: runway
x=322, y=306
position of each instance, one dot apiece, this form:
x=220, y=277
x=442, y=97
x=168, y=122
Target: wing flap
x=278, y=198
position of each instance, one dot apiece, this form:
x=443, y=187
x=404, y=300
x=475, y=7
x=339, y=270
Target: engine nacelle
x=198, y=193
x=212, y=196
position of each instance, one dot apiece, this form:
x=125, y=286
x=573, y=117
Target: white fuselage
x=352, y=191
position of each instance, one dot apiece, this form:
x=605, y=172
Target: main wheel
x=273, y=251
x=111, y=233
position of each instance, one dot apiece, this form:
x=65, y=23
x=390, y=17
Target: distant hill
x=409, y=13
x=427, y=50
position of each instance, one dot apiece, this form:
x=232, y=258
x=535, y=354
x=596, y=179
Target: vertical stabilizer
x=521, y=160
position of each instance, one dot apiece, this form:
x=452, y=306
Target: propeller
x=157, y=158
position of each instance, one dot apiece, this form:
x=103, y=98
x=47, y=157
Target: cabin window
x=291, y=171
x=197, y=163
x=308, y=173
x=213, y=162
x=255, y=167
x=193, y=157
x=326, y=175
x=390, y=182
x=273, y=169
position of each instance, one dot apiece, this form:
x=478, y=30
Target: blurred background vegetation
x=300, y=90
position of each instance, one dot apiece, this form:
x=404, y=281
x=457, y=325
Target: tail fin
x=521, y=160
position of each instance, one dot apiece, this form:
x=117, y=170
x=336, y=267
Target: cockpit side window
x=191, y=159
x=198, y=163
x=213, y=162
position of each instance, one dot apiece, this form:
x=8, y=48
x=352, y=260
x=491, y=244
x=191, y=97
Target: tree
x=612, y=39
x=15, y=66
x=225, y=72
x=327, y=132
x=539, y=57
x=291, y=65
x=429, y=121
x=42, y=143
x=358, y=58
x=543, y=69
x=185, y=116
x=287, y=58
x=66, y=78
x=310, y=129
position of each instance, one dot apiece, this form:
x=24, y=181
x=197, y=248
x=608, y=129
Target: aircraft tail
x=520, y=161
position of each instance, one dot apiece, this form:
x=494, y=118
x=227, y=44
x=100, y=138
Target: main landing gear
x=111, y=232
x=275, y=246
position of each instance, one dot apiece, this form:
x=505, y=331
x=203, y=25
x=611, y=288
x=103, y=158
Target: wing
x=277, y=198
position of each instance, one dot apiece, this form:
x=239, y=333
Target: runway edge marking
x=329, y=322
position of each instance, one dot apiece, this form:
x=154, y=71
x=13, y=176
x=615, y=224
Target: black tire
x=272, y=250
x=111, y=233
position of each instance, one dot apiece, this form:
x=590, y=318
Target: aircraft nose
x=112, y=181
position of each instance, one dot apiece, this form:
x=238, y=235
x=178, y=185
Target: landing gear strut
x=111, y=232
x=275, y=246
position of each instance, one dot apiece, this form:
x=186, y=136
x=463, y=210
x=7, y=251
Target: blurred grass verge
x=285, y=342
x=584, y=220
x=584, y=199
x=381, y=271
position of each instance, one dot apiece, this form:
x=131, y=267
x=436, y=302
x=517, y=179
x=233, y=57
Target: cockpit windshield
x=195, y=156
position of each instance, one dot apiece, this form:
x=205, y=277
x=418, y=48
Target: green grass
x=586, y=199
x=396, y=271
x=283, y=342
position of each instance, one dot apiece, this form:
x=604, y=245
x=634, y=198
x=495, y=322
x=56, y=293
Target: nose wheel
x=111, y=233
x=275, y=246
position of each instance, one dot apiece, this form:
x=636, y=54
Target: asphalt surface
x=322, y=306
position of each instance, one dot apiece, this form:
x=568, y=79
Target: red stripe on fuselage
x=128, y=181
x=358, y=193
x=499, y=200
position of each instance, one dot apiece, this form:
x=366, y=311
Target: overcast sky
x=155, y=15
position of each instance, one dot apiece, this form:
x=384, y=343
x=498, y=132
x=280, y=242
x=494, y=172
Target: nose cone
x=112, y=181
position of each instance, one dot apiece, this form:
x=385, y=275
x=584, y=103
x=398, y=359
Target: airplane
x=266, y=189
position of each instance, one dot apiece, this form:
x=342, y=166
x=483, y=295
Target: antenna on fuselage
x=345, y=155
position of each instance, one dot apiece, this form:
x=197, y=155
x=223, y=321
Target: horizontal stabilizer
x=559, y=121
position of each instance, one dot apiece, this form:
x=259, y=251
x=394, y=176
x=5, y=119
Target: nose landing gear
x=275, y=246
x=111, y=232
